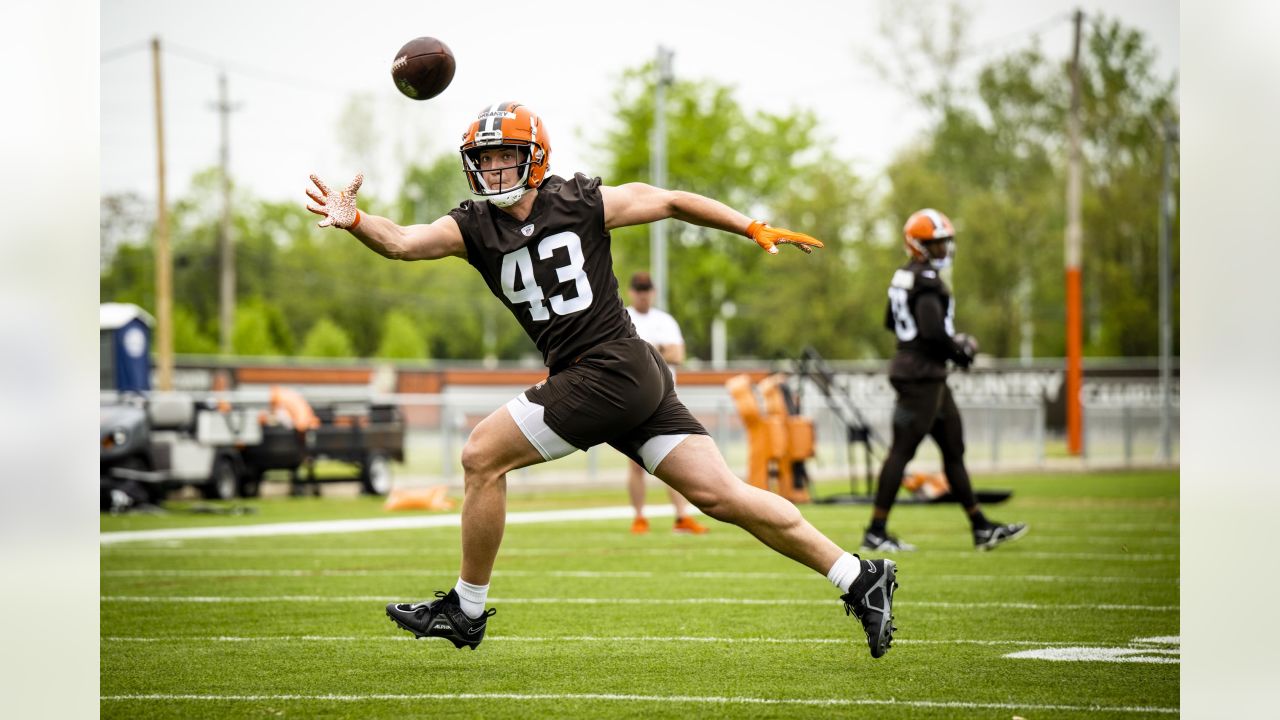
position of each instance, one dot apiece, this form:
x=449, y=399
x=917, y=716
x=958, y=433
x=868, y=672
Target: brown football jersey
x=554, y=269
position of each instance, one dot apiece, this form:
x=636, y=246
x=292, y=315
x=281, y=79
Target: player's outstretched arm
x=638, y=203
x=441, y=238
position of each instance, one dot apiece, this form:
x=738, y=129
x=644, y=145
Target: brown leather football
x=423, y=68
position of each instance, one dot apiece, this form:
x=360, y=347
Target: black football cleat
x=994, y=535
x=442, y=617
x=870, y=599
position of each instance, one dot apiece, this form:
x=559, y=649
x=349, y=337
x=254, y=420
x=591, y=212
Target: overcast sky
x=291, y=67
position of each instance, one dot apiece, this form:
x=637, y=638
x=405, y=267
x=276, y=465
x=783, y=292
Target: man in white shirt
x=662, y=331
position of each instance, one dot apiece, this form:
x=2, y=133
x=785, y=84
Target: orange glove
x=770, y=237
x=339, y=208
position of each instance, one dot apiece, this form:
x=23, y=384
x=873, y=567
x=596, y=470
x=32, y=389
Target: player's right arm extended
x=441, y=238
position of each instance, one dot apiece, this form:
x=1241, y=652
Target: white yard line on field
x=694, y=547
x=584, y=639
x=668, y=699
x=621, y=512
x=317, y=527
x=626, y=601
x=251, y=572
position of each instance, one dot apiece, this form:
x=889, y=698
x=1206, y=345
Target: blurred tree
x=991, y=158
x=187, y=335
x=253, y=332
x=326, y=339
x=1124, y=104
x=122, y=218
x=401, y=339
x=763, y=164
x=357, y=133
x=130, y=275
x=920, y=49
x=994, y=161
x=431, y=190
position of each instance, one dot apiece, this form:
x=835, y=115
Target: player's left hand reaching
x=339, y=208
x=770, y=238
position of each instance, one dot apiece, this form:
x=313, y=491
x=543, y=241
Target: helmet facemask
x=940, y=252
x=483, y=181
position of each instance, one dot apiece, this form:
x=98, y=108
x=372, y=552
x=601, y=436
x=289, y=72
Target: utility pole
x=1075, y=412
x=658, y=175
x=164, y=260
x=226, y=245
x=1171, y=136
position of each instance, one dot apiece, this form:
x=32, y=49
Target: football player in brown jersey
x=921, y=313
x=542, y=244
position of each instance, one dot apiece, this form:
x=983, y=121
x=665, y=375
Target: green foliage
x=996, y=165
x=326, y=339
x=432, y=190
x=130, y=277
x=765, y=164
x=401, y=338
x=260, y=330
x=187, y=335
x=993, y=158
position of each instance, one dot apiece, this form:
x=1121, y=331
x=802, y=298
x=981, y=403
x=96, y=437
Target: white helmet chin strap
x=508, y=198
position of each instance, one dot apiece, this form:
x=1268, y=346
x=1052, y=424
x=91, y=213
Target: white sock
x=471, y=597
x=844, y=572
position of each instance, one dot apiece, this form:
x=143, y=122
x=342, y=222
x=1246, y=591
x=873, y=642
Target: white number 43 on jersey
x=517, y=266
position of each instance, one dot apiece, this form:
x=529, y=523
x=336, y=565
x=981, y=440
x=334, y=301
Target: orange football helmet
x=930, y=237
x=506, y=124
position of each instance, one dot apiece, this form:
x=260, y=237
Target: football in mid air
x=423, y=68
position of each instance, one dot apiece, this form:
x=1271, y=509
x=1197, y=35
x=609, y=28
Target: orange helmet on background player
x=506, y=124
x=930, y=237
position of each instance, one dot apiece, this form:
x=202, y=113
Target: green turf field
x=594, y=622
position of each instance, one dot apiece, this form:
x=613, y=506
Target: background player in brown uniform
x=921, y=313
x=542, y=245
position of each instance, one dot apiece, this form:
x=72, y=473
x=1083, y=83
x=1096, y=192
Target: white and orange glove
x=338, y=208
x=770, y=238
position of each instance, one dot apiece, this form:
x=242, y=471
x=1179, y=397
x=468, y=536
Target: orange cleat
x=639, y=526
x=689, y=525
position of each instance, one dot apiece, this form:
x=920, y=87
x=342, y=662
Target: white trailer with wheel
x=189, y=442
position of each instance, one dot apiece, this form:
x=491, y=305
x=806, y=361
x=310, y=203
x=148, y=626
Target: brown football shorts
x=621, y=393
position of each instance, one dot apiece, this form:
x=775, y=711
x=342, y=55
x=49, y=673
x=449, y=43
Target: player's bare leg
x=696, y=468
x=496, y=447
